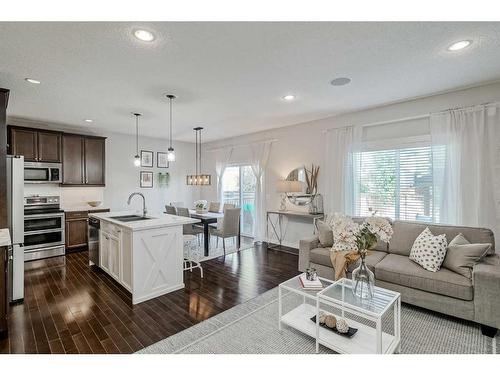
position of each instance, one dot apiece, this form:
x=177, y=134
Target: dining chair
x=221, y=220
x=189, y=229
x=170, y=210
x=230, y=226
x=228, y=205
x=214, y=207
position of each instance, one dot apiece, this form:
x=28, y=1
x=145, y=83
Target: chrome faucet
x=144, y=210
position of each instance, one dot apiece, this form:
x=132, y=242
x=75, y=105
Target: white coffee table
x=370, y=338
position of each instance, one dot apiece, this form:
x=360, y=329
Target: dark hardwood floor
x=71, y=308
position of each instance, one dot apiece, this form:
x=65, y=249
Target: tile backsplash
x=70, y=196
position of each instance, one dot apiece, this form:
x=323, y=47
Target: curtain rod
x=241, y=145
x=418, y=117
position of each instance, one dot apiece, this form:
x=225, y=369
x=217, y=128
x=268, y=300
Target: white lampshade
x=283, y=186
x=295, y=187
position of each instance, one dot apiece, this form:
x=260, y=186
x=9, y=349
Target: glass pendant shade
x=170, y=154
x=137, y=160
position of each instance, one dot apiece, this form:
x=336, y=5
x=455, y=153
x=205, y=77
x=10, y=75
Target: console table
x=275, y=220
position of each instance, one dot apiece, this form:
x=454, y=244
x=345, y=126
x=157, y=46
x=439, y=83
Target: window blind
x=398, y=183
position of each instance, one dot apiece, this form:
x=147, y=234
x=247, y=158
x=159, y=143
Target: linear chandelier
x=198, y=178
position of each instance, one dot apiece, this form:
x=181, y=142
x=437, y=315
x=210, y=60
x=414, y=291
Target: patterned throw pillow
x=429, y=250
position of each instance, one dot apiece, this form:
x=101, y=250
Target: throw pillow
x=325, y=234
x=429, y=250
x=463, y=255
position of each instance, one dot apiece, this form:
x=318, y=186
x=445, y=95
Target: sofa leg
x=488, y=331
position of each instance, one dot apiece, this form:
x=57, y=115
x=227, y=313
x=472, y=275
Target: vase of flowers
x=361, y=238
x=201, y=206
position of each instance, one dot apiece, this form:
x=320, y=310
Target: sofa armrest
x=486, y=281
x=305, y=247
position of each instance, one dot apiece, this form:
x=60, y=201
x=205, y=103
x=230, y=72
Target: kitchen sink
x=127, y=218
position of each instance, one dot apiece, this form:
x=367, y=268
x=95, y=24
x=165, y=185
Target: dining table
x=206, y=219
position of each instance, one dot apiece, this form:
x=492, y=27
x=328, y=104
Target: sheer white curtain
x=466, y=165
x=341, y=165
x=222, y=159
x=260, y=158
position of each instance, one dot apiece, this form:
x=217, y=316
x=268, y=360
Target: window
x=398, y=183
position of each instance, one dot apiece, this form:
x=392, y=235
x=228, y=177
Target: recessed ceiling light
x=341, y=81
x=31, y=80
x=144, y=35
x=289, y=97
x=88, y=120
x=457, y=46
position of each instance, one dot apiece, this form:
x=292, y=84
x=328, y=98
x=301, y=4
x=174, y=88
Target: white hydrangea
x=347, y=234
x=380, y=227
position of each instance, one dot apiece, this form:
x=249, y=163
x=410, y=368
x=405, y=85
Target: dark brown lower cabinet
x=76, y=229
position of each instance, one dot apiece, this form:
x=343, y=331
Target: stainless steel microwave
x=42, y=173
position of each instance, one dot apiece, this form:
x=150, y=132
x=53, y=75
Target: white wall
x=122, y=177
x=304, y=143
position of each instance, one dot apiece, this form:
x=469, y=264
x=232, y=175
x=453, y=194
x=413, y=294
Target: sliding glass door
x=238, y=186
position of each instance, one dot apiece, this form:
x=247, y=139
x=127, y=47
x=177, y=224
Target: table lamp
x=283, y=187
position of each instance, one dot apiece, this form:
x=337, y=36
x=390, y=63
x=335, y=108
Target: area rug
x=252, y=328
x=218, y=251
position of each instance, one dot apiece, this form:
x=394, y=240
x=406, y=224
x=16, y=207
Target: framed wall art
x=147, y=158
x=146, y=179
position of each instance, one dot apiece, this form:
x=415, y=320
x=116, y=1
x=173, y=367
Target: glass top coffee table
x=378, y=320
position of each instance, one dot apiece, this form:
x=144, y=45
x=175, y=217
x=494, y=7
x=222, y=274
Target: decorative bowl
x=94, y=203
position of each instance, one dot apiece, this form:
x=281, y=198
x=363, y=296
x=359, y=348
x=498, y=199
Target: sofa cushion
x=399, y=269
x=321, y=255
x=405, y=233
x=463, y=255
x=429, y=250
x=325, y=234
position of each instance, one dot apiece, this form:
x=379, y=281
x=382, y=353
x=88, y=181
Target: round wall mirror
x=298, y=194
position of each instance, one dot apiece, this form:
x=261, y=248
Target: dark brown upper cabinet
x=83, y=160
x=35, y=145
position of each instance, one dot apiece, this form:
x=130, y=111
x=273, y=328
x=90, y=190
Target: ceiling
x=231, y=77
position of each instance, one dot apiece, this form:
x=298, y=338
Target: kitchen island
x=142, y=253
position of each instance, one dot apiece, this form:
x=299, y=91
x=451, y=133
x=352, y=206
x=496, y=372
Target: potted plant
x=201, y=206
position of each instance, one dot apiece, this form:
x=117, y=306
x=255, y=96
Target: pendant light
x=170, y=151
x=137, y=158
x=198, y=178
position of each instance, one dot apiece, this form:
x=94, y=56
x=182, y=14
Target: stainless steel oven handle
x=43, y=216
x=44, y=231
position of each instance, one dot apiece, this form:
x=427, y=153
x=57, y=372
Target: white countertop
x=158, y=220
x=83, y=207
x=5, y=237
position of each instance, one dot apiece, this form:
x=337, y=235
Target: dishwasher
x=93, y=241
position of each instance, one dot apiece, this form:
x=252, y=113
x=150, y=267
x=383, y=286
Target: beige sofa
x=444, y=291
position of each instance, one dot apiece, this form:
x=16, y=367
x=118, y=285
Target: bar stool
x=191, y=247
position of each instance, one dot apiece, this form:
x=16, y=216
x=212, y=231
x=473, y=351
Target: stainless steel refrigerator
x=15, y=217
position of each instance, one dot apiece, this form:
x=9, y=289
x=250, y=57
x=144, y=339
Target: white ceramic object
x=94, y=203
